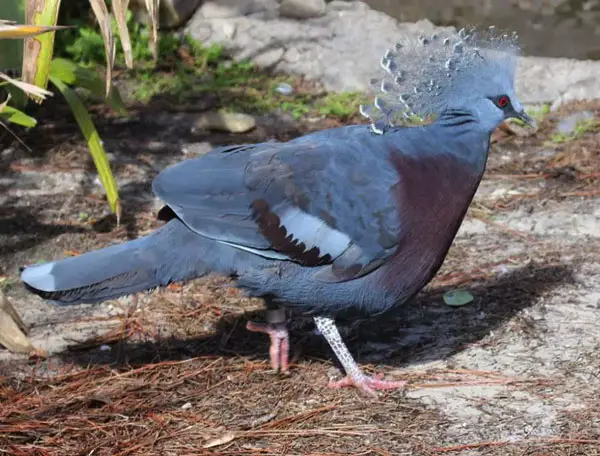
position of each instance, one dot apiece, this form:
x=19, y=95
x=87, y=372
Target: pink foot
x=280, y=343
x=366, y=384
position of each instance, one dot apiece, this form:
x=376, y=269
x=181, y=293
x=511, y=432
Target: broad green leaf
x=17, y=117
x=72, y=74
x=11, y=51
x=458, y=298
x=83, y=119
x=37, y=51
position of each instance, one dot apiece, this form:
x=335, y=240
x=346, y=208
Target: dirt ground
x=515, y=372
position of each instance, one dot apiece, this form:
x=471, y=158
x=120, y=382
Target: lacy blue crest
x=423, y=76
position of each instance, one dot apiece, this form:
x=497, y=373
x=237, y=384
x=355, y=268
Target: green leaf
x=457, y=298
x=72, y=74
x=17, y=117
x=93, y=141
x=37, y=51
x=11, y=51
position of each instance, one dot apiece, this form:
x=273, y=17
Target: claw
x=280, y=343
x=366, y=384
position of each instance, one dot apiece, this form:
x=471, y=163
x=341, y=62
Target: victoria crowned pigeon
x=359, y=217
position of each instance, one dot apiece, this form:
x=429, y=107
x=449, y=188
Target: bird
x=358, y=217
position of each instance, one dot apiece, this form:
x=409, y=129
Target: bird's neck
x=463, y=135
x=456, y=133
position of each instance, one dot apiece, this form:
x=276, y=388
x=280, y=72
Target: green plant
x=85, y=44
x=539, y=113
x=63, y=75
x=186, y=69
x=4, y=283
x=38, y=67
x=581, y=127
x=536, y=114
x=341, y=105
x=86, y=48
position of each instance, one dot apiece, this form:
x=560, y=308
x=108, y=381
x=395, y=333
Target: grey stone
x=342, y=49
x=547, y=28
x=284, y=88
x=219, y=9
x=197, y=149
x=581, y=89
x=567, y=125
x=330, y=49
x=302, y=9
x=557, y=80
x=232, y=122
x=339, y=5
x=269, y=58
x=172, y=13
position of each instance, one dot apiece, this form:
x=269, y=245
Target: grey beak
x=525, y=118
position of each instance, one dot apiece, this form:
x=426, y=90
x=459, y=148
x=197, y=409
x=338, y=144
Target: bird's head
x=463, y=72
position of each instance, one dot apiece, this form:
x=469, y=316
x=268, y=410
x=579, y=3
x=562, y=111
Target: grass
x=341, y=105
x=536, y=114
x=239, y=86
x=5, y=283
x=187, y=69
x=582, y=127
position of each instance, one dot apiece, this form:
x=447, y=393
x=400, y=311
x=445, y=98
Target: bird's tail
x=171, y=253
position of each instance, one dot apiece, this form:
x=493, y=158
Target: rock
x=557, y=80
x=302, y=9
x=284, y=88
x=330, y=49
x=172, y=13
x=333, y=50
x=269, y=58
x=220, y=9
x=12, y=328
x=339, y=5
x=582, y=89
x=232, y=122
x=547, y=28
x=567, y=125
x=197, y=149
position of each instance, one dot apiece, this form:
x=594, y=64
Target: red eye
x=502, y=101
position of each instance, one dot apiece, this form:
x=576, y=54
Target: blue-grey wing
x=317, y=201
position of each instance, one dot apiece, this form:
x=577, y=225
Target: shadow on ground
x=34, y=206
x=424, y=330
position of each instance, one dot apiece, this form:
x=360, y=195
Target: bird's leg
x=276, y=328
x=354, y=376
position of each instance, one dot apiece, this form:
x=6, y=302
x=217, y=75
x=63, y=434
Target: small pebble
x=104, y=348
x=232, y=122
x=187, y=405
x=284, y=88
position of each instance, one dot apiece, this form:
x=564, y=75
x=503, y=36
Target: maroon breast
x=433, y=194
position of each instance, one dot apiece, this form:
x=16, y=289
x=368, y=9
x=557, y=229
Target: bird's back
x=430, y=180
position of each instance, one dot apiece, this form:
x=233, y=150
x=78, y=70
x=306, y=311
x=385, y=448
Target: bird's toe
x=369, y=385
x=280, y=343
